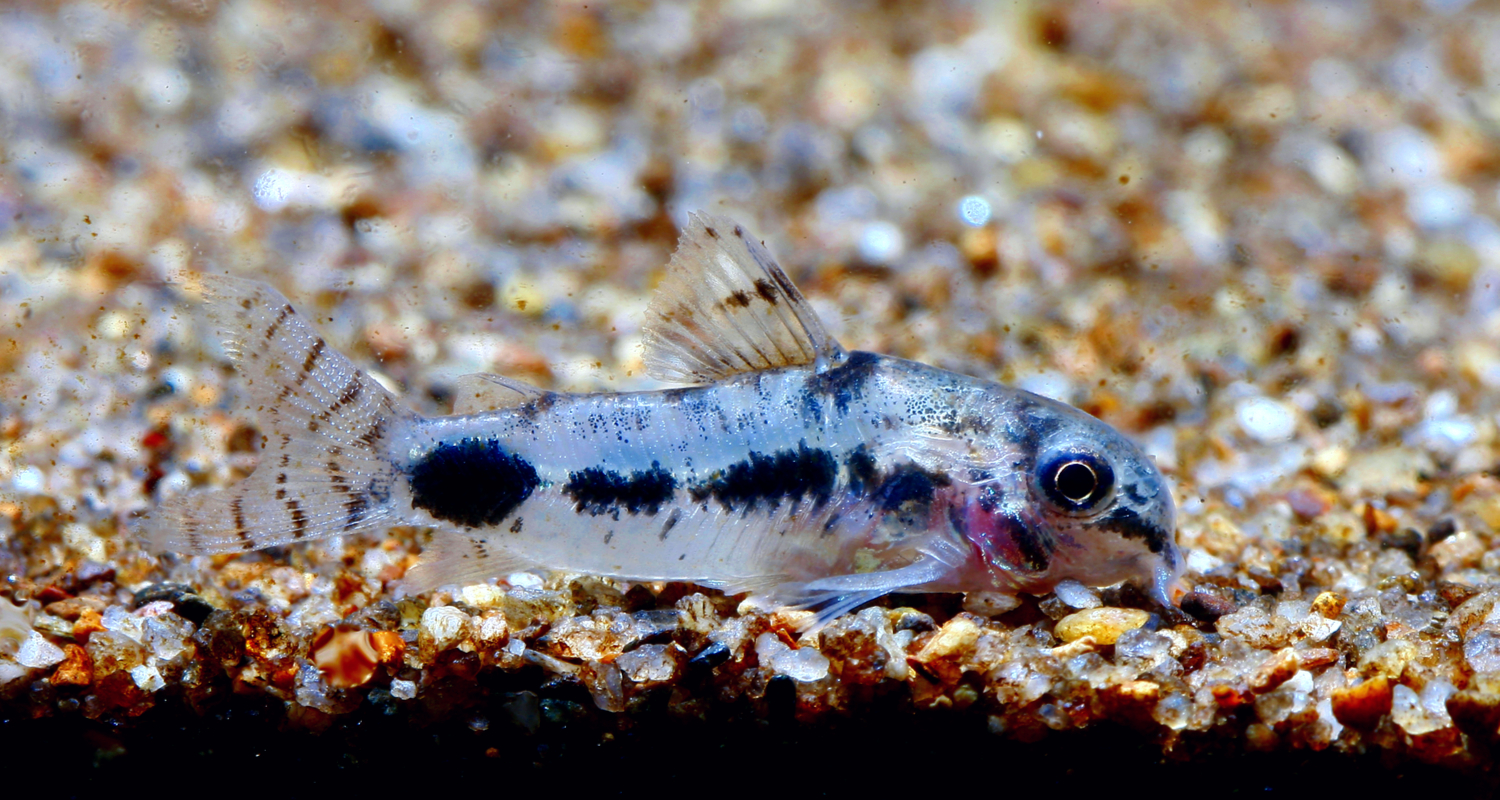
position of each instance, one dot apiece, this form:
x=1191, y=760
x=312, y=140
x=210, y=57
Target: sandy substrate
x=1259, y=238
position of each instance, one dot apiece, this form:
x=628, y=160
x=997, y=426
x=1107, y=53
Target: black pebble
x=185, y=602
x=1207, y=606
x=1442, y=529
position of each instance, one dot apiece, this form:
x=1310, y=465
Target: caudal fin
x=324, y=462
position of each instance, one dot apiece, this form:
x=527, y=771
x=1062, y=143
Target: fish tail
x=325, y=466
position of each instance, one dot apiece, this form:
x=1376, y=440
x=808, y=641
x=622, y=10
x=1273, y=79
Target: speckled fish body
x=797, y=471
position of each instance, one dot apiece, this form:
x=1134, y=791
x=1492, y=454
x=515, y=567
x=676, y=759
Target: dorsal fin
x=725, y=308
x=480, y=392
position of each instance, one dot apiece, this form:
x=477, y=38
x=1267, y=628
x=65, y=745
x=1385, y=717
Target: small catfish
x=787, y=467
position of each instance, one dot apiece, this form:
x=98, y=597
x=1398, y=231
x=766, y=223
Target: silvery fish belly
x=786, y=467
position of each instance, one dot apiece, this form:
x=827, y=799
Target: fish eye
x=1077, y=482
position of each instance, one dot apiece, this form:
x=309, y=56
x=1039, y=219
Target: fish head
x=1081, y=501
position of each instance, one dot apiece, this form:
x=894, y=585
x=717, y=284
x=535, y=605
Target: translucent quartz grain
x=36, y=652
x=804, y=664
x=649, y=662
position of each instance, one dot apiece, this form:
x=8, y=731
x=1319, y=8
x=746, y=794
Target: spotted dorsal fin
x=725, y=308
x=480, y=392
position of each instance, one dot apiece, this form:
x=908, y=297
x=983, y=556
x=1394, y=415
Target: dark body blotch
x=863, y=475
x=471, y=482
x=771, y=479
x=1031, y=425
x=909, y=485
x=845, y=383
x=600, y=491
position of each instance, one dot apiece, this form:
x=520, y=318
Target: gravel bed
x=1259, y=238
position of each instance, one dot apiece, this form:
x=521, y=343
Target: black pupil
x=1076, y=481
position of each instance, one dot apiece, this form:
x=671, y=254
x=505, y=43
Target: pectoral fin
x=460, y=559
x=835, y=596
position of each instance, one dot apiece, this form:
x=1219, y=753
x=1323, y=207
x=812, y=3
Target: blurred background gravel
x=1260, y=238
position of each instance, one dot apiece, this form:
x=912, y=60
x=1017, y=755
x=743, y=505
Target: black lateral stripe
x=599, y=491
x=770, y=479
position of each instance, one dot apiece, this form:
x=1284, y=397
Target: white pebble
x=29, y=480
x=403, y=690
x=36, y=652
x=147, y=678
x=1412, y=715
x=803, y=665
x=445, y=625
x=524, y=580
x=1076, y=594
x=881, y=243
x=482, y=595
x=162, y=89
x=1439, y=205
x=1265, y=420
x=974, y=211
x=273, y=189
x=117, y=619
x=492, y=629
x=10, y=673
x=1200, y=561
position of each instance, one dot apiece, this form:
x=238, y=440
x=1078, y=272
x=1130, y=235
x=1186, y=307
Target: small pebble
x=1076, y=594
x=1265, y=420
x=1362, y=705
x=38, y=653
x=443, y=626
x=1105, y=625
x=804, y=664
x=990, y=604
